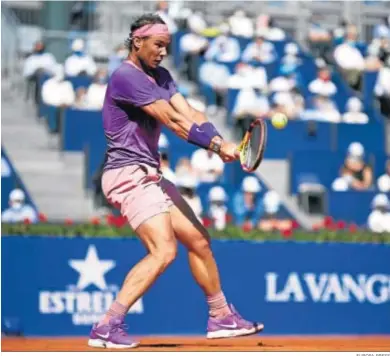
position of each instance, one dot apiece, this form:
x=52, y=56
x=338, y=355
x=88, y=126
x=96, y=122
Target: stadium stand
x=316, y=139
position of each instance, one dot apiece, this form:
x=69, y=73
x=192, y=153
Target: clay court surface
x=257, y=343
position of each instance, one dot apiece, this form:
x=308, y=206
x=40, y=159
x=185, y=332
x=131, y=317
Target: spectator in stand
x=187, y=185
x=319, y=38
x=355, y=171
x=247, y=76
x=270, y=220
x=194, y=100
x=383, y=181
x=339, y=32
x=194, y=42
x=291, y=49
x=241, y=25
x=207, y=165
x=224, y=48
x=217, y=209
x=372, y=61
x=265, y=24
x=259, y=50
x=321, y=108
x=80, y=101
x=97, y=91
x=18, y=210
x=115, y=60
x=286, y=81
x=340, y=184
x=350, y=60
x=216, y=76
x=291, y=104
x=197, y=103
x=79, y=63
x=323, y=85
x=165, y=166
x=383, y=29
x=379, y=218
x=162, y=10
x=56, y=91
x=180, y=12
x=354, y=114
x=37, y=63
x=290, y=57
x=382, y=89
x=184, y=168
x=384, y=48
x=250, y=103
x=248, y=207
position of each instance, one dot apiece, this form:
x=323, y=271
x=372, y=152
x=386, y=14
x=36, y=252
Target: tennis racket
x=253, y=145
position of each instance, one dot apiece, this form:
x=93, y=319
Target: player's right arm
x=137, y=90
x=162, y=111
x=184, y=127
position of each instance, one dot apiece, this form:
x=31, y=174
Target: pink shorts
x=139, y=191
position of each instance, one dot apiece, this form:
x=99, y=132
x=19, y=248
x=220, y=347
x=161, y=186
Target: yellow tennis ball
x=279, y=120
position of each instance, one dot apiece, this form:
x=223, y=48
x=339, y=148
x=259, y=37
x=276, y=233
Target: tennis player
x=141, y=96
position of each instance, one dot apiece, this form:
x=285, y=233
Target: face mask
x=78, y=53
x=354, y=108
x=287, y=69
x=16, y=205
x=40, y=51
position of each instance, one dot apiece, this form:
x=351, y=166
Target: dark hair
x=147, y=19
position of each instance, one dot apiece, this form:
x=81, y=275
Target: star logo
x=92, y=270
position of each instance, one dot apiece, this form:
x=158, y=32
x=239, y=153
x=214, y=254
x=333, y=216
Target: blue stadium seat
x=371, y=136
x=52, y=118
x=295, y=137
x=369, y=80
x=80, y=81
x=279, y=47
x=79, y=127
x=350, y=206
x=243, y=42
x=320, y=167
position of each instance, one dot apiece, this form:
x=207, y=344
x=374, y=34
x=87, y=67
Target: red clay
x=179, y=343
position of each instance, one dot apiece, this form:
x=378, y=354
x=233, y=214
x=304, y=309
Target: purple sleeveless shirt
x=132, y=135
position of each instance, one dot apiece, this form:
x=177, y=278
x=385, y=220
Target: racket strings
x=253, y=147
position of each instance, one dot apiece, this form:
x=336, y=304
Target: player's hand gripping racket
x=252, y=146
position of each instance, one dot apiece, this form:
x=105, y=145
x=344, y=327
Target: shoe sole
x=226, y=333
x=110, y=345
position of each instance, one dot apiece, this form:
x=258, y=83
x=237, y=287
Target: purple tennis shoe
x=111, y=336
x=231, y=326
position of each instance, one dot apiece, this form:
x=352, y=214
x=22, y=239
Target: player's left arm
x=181, y=105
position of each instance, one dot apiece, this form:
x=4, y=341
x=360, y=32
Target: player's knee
x=202, y=247
x=166, y=253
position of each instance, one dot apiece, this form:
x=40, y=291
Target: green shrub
x=95, y=229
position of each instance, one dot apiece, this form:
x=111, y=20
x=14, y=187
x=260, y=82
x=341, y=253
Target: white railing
x=10, y=56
